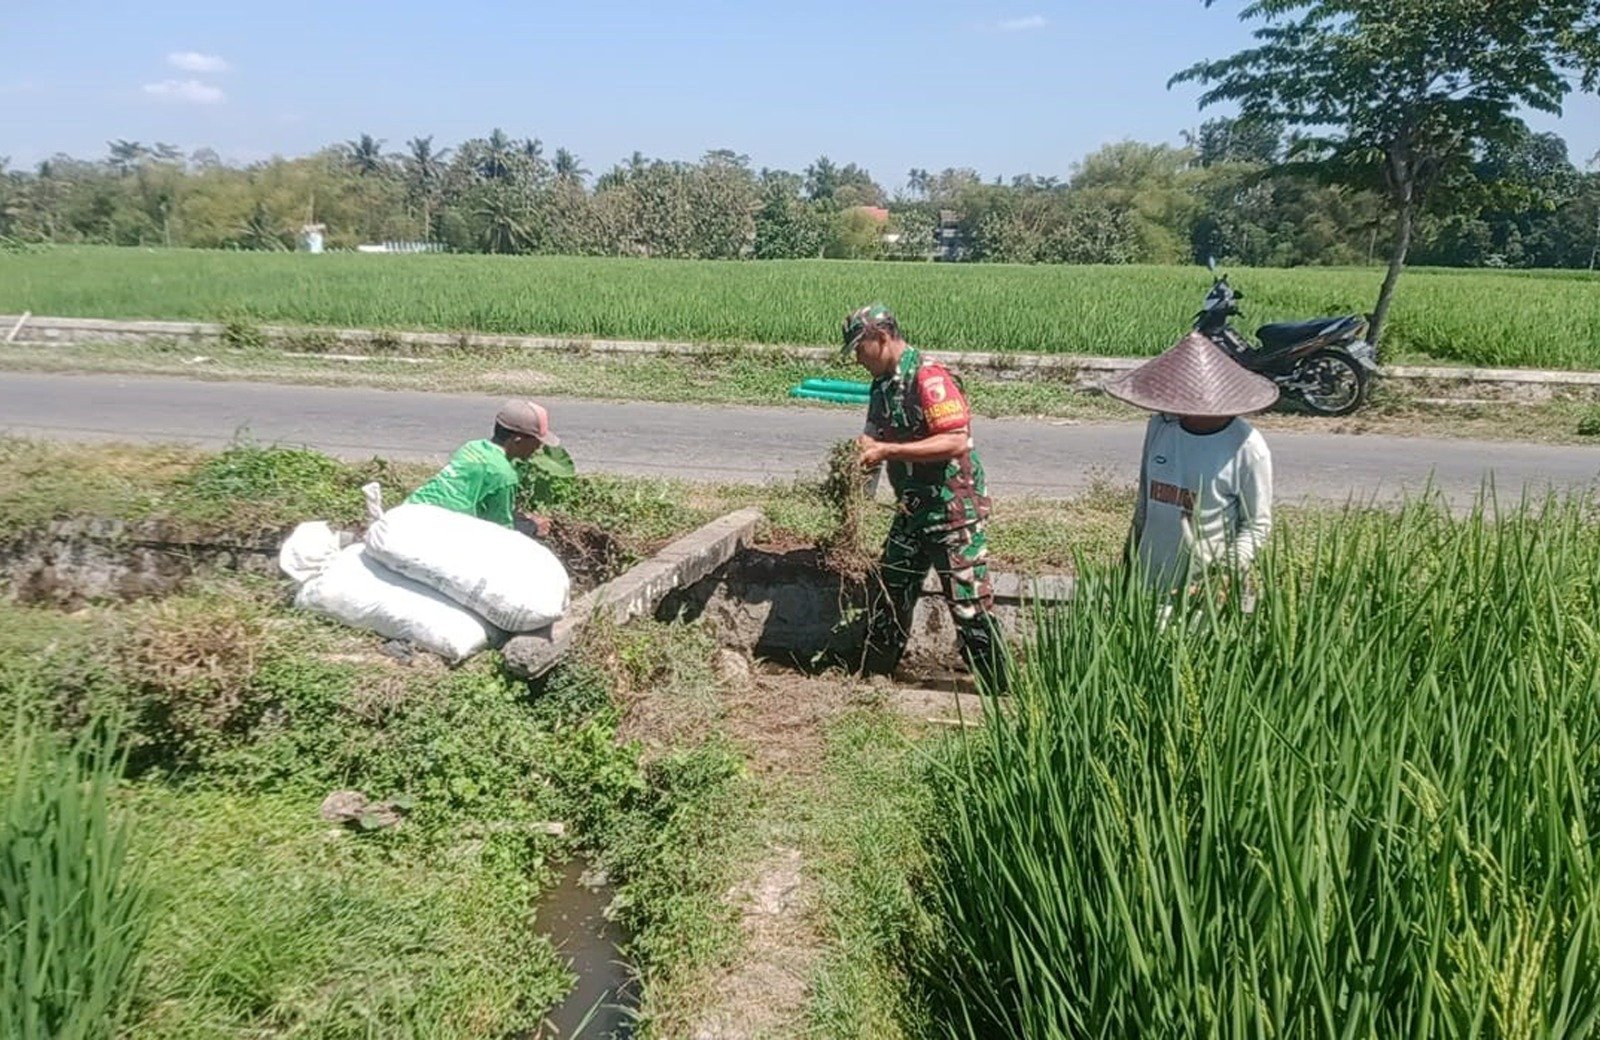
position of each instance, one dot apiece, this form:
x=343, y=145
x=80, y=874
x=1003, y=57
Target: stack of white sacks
x=444, y=581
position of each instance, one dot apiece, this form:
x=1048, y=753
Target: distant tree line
x=1227, y=192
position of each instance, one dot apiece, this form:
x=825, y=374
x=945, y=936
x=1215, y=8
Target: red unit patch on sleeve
x=944, y=407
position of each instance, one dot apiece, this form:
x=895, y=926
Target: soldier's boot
x=983, y=647
x=890, y=605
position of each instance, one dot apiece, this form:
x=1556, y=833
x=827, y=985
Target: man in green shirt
x=480, y=479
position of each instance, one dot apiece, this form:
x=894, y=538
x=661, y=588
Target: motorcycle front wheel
x=1331, y=383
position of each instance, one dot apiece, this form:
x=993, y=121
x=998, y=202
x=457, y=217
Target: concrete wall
x=788, y=606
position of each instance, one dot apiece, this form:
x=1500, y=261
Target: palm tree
x=917, y=180
x=568, y=167
x=424, y=172
x=822, y=179
x=497, y=151
x=615, y=177
x=259, y=230
x=125, y=155
x=505, y=227
x=365, y=155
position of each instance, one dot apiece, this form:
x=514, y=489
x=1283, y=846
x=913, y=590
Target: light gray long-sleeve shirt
x=1204, y=500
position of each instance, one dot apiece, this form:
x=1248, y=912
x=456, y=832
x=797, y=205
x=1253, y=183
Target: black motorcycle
x=1325, y=363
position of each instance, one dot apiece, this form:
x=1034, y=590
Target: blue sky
x=1004, y=87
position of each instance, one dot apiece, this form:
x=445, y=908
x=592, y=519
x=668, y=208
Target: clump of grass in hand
x=72, y=921
x=844, y=492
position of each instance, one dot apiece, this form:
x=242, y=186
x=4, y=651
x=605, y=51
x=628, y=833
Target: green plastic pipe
x=837, y=386
x=829, y=395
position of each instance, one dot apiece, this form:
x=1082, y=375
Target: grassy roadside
x=250, y=488
x=738, y=376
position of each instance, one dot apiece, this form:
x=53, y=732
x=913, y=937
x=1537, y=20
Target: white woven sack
x=363, y=593
x=308, y=551
x=506, y=577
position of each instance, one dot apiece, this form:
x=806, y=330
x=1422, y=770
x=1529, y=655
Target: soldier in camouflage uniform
x=919, y=428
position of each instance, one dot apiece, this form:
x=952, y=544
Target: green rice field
x=1541, y=319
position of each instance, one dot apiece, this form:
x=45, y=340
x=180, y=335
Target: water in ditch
x=601, y=1005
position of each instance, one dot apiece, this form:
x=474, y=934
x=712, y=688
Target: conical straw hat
x=1194, y=377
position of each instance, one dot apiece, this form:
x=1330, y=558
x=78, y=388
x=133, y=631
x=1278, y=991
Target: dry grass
x=844, y=495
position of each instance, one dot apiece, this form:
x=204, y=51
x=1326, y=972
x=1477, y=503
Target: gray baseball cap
x=529, y=419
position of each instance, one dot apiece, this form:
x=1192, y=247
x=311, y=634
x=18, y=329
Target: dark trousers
x=961, y=558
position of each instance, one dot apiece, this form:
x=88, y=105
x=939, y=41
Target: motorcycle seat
x=1284, y=333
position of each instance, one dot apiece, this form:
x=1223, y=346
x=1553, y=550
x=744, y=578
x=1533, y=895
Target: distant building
x=880, y=216
x=400, y=247
x=948, y=241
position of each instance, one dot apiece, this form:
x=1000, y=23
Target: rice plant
x=1368, y=809
x=72, y=921
x=1542, y=318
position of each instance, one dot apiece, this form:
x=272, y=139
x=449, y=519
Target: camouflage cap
x=866, y=319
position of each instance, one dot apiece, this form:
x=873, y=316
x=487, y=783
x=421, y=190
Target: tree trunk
x=1404, y=216
x=1594, y=253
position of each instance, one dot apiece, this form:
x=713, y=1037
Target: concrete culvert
x=791, y=607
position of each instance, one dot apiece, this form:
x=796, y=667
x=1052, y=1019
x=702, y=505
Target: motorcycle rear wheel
x=1331, y=382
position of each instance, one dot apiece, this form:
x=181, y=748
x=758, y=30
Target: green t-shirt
x=479, y=481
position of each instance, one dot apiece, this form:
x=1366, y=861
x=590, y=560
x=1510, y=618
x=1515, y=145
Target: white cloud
x=186, y=91
x=1032, y=21
x=194, y=61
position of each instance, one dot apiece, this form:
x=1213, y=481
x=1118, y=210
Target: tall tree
x=497, y=154
x=424, y=172
x=124, y=156
x=1236, y=141
x=568, y=168
x=822, y=179
x=1402, y=93
x=365, y=155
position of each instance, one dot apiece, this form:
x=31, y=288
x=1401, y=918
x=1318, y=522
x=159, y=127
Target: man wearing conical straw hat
x=1205, y=480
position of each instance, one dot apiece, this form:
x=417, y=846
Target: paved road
x=730, y=443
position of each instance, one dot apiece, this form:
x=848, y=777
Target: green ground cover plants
x=1534, y=319
x=246, y=913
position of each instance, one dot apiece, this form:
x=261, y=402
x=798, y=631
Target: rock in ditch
x=731, y=667
x=353, y=808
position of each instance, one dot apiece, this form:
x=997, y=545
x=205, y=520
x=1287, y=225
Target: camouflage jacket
x=922, y=399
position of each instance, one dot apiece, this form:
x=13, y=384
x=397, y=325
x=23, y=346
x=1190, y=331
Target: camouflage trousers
x=961, y=558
